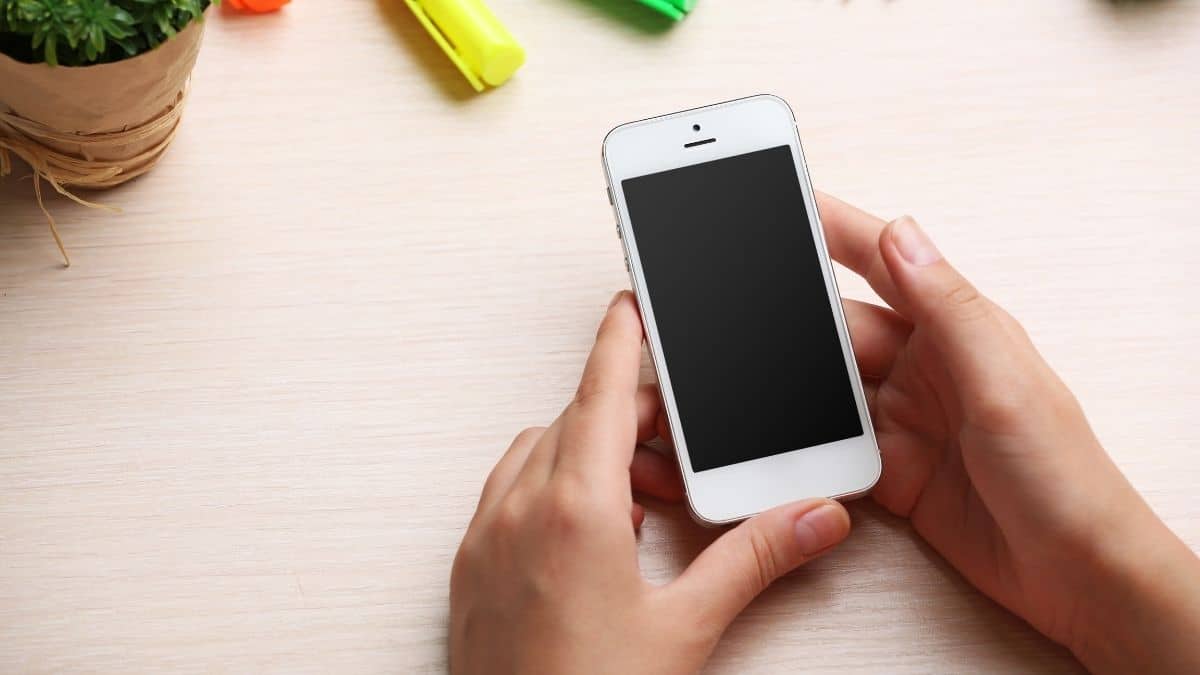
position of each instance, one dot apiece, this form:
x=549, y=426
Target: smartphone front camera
x=695, y=127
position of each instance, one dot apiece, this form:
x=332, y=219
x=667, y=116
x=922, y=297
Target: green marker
x=676, y=9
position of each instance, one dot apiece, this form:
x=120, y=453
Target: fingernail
x=821, y=528
x=912, y=243
x=616, y=298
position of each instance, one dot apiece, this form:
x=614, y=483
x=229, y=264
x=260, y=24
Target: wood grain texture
x=246, y=430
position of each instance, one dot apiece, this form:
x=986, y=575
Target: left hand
x=546, y=579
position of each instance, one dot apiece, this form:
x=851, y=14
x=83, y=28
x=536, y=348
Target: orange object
x=258, y=5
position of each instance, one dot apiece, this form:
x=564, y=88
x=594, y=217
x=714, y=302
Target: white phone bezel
x=841, y=469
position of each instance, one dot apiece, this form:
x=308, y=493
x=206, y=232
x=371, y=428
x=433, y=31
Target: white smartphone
x=742, y=313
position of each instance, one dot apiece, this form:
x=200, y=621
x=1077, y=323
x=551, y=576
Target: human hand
x=989, y=455
x=546, y=579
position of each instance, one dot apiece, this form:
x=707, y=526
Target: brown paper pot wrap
x=95, y=126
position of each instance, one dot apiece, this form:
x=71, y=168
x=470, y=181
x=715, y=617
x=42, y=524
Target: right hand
x=990, y=456
x=546, y=579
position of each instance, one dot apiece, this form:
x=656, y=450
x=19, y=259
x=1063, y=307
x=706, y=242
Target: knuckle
x=528, y=435
x=1022, y=399
x=766, y=567
x=872, y=262
x=585, y=412
x=1000, y=412
x=507, y=518
x=567, y=508
x=471, y=557
x=1011, y=326
x=1007, y=320
x=965, y=300
x=566, y=499
x=591, y=387
x=464, y=559
x=490, y=485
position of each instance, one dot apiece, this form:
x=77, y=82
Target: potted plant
x=91, y=91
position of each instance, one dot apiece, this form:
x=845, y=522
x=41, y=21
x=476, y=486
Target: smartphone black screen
x=746, y=328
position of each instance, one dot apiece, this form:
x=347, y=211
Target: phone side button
x=608, y=190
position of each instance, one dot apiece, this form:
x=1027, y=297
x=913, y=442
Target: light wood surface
x=245, y=431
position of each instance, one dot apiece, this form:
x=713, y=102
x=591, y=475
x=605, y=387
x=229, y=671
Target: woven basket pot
x=94, y=126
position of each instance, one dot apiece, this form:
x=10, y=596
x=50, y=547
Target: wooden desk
x=245, y=430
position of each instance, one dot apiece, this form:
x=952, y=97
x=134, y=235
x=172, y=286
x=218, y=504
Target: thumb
x=977, y=339
x=739, y=565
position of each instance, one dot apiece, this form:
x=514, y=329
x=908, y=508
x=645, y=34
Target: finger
x=648, y=406
x=655, y=474
x=972, y=334
x=878, y=334
x=871, y=389
x=853, y=239
x=539, y=461
x=600, y=427
x=637, y=514
x=739, y=565
x=664, y=429
x=509, y=466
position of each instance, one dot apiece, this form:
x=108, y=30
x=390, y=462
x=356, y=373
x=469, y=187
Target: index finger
x=600, y=426
x=853, y=238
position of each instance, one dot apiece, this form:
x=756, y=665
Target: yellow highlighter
x=472, y=37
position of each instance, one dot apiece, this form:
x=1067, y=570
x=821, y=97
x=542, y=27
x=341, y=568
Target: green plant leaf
x=126, y=46
x=82, y=32
x=52, y=50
